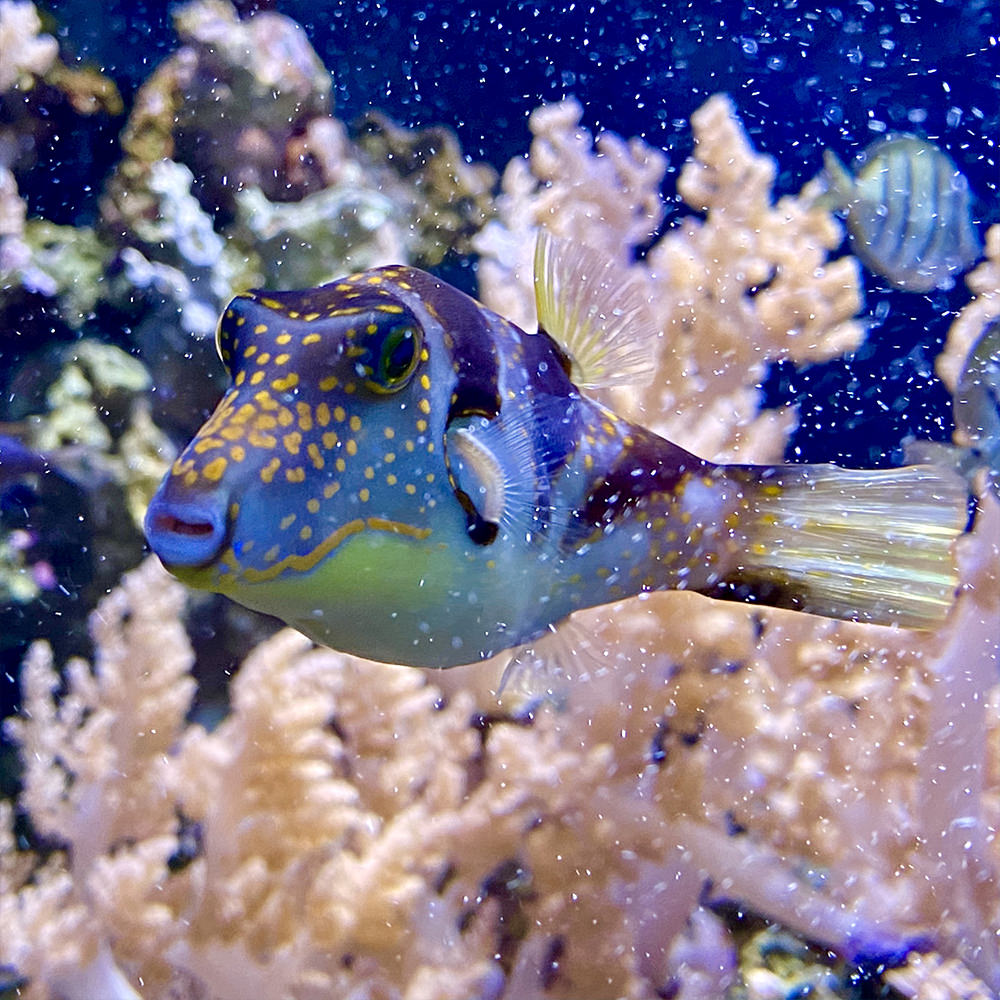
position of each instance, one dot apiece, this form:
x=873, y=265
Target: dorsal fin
x=596, y=312
x=839, y=183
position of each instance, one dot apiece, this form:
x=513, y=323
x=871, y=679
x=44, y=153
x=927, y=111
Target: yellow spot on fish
x=364, y=494
x=391, y=479
x=267, y=473
x=351, y=446
x=330, y=489
x=296, y=475
x=340, y=464
x=328, y=383
x=425, y=381
x=329, y=440
x=305, y=416
x=257, y=378
x=240, y=378
x=190, y=478
x=272, y=553
x=282, y=338
x=287, y=521
x=323, y=415
x=285, y=417
x=389, y=432
x=215, y=469
x=258, y=440
x=206, y=444
x=309, y=317
x=424, y=406
x=237, y=453
x=305, y=533
x=312, y=505
x=250, y=351
x=233, y=433
x=355, y=423
x=286, y=382
x=264, y=358
x=311, y=338
x=369, y=472
x=410, y=488
x=338, y=414
x=292, y=442
x=271, y=304
x=282, y=359
x=315, y=456
x=260, y=328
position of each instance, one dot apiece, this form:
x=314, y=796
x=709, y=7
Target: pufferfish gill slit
x=403, y=474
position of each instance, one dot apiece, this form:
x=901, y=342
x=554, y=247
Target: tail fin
x=865, y=545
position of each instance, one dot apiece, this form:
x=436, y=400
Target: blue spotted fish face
x=319, y=489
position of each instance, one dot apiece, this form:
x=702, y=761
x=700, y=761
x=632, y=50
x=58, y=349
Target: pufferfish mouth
x=185, y=532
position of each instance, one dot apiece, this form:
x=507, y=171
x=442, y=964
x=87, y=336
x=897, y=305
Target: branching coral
x=24, y=51
x=747, y=284
x=403, y=849
x=984, y=283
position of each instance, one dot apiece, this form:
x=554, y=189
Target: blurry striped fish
x=908, y=211
x=401, y=473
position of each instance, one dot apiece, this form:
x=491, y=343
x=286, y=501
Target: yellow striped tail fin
x=863, y=545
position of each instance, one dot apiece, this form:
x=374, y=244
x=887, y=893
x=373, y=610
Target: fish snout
x=186, y=532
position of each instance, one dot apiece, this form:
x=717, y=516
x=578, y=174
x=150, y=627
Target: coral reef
x=352, y=829
x=39, y=94
x=984, y=283
x=24, y=51
x=748, y=284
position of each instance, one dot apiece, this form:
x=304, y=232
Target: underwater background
x=803, y=77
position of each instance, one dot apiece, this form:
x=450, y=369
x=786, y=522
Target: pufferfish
x=403, y=474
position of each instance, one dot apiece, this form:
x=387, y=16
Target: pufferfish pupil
x=401, y=473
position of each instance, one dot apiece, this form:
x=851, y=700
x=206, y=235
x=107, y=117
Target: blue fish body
x=401, y=473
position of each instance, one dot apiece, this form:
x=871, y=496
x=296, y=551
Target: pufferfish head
x=332, y=429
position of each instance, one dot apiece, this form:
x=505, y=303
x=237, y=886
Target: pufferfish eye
x=391, y=357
